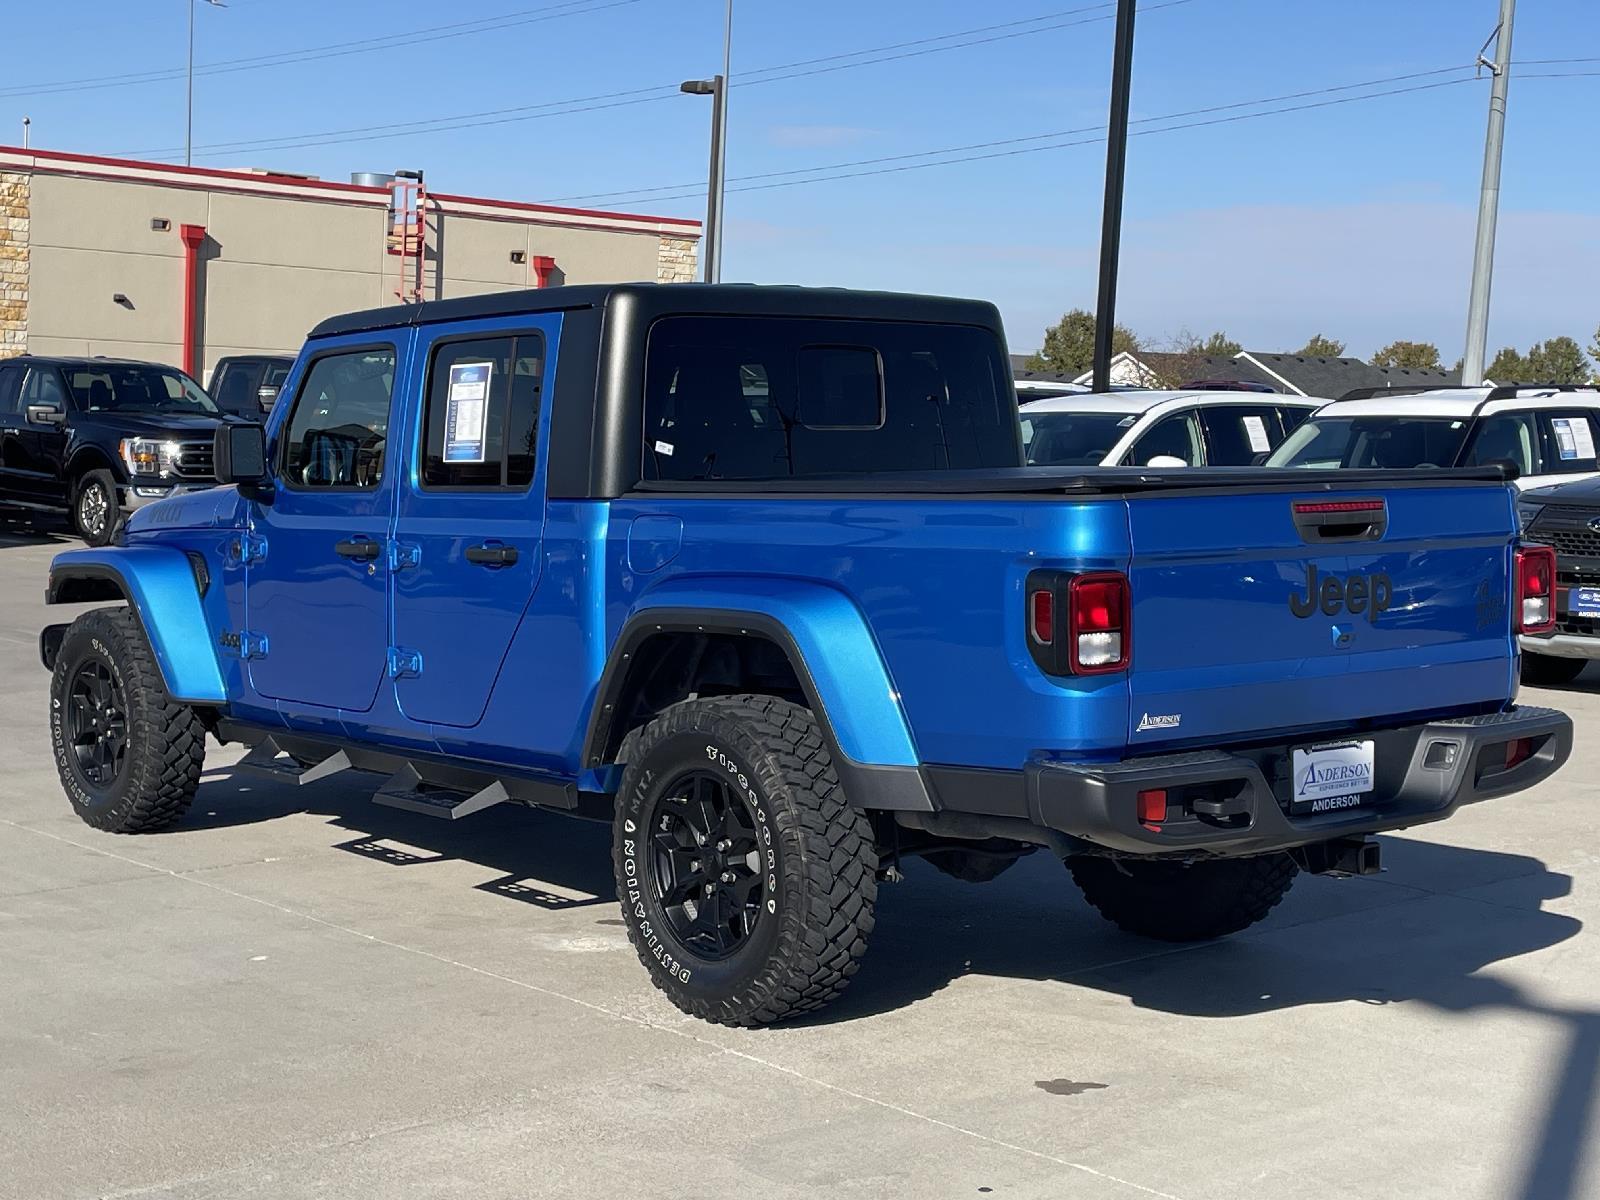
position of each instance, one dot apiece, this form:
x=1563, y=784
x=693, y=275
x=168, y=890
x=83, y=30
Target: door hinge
x=245, y=644
x=403, y=555
x=403, y=663
x=247, y=548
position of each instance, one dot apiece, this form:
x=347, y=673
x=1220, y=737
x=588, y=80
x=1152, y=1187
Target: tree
x=1558, y=360
x=1219, y=345
x=1416, y=356
x=1594, y=347
x=1321, y=347
x=1508, y=366
x=1185, y=358
x=1069, y=344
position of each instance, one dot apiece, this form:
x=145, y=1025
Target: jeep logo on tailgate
x=1353, y=594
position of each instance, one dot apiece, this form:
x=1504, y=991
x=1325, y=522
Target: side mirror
x=240, y=454
x=1508, y=468
x=45, y=414
x=1166, y=462
x=266, y=396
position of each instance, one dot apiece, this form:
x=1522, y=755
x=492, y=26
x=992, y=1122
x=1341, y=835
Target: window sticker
x=1256, y=430
x=1582, y=436
x=465, y=409
x=1566, y=440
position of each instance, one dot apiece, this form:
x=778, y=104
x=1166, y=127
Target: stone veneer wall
x=14, y=189
x=677, y=261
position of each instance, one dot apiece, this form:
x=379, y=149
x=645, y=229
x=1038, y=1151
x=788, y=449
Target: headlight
x=1528, y=512
x=146, y=456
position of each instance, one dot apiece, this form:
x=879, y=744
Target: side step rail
x=268, y=758
x=405, y=790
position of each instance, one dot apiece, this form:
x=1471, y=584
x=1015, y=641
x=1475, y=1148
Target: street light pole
x=1105, y=313
x=1488, y=203
x=188, y=137
x=715, y=87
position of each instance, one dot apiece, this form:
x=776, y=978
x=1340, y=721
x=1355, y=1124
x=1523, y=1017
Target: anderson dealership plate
x=1331, y=776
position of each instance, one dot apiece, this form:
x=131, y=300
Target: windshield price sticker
x=1331, y=777
x=465, y=409
x=1256, y=430
x=1574, y=438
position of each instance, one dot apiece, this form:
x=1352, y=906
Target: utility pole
x=717, y=88
x=1488, y=200
x=27, y=125
x=1105, y=313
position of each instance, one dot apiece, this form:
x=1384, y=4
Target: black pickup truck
x=95, y=438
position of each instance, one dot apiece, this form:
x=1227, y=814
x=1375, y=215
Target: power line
x=433, y=33
x=1100, y=137
x=1035, y=137
x=802, y=68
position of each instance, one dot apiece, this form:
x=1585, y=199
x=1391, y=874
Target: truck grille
x=195, y=460
x=1567, y=529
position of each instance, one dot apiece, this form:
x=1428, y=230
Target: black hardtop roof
x=736, y=299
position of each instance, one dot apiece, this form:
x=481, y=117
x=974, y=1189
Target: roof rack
x=1405, y=389
x=1508, y=391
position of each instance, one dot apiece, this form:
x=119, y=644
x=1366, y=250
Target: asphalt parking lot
x=297, y=993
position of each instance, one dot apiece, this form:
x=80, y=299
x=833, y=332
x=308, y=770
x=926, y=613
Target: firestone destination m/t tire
x=1184, y=902
x=747, y=881
x=128, y=755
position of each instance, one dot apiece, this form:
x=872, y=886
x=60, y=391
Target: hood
x=137, y=424
x=213, y=508
x=1579, y=491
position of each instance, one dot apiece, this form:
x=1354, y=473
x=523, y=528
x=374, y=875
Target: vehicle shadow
x=27, y=530
x=1403, y=938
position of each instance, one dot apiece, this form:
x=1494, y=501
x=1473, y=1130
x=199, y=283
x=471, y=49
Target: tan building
x=185, y=265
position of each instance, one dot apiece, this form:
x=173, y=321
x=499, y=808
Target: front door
x=317, y=612
x=11, y=419
x=38, y=447
x=470, y=516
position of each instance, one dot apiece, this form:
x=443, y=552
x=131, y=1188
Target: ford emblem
x=1594, y=524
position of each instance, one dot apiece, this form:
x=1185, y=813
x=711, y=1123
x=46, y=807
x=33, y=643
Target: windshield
x=136, y=388
x=1072, y=439
x=1383, y=442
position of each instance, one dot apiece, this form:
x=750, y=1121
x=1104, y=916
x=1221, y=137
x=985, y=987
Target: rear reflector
x=1518, y=751
x=1533, y=590
x=1153, y=806
x=1042, y=616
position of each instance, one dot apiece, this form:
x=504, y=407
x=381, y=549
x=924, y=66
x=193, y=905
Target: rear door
x=1236, y=434
x=39, y=466
x=11, y=420
x=1248, y=624
x=471, y=512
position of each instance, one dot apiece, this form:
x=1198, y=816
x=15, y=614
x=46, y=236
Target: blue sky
x=1354, y=219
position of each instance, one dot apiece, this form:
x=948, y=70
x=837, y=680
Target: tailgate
x=1248, y=623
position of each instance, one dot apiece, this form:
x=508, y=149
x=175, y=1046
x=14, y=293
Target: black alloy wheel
x=707, y=865
x=97, y=724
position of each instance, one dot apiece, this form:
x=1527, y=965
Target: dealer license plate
x=1331, y=776
x=1584, y=601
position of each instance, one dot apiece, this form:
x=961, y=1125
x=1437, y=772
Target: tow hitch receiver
x=1346, y=856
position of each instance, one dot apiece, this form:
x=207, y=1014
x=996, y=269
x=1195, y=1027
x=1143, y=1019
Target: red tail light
x=1079, y=624
x=1533, y=590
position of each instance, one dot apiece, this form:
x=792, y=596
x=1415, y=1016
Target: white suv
x=1548, y=433
x=1199, y=428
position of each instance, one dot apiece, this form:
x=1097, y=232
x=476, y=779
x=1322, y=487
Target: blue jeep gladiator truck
x=757, y=576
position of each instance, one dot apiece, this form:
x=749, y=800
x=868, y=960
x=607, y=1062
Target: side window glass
x=11, y=389
x=337, y=433
x=1567, y=443
x=44, y=387
x=481, y=423
x=1236, y=433
x=1291, y=417
x=1506, y=437
x=1176, y=436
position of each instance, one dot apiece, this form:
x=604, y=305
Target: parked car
x=1548, y=434
x=757, y=575
x=96, y=438
x=1566, y=517
x=1029, y=390
x=1193, y=428
x=248, y=384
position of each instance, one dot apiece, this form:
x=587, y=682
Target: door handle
x=491, y=555
x=362, y=549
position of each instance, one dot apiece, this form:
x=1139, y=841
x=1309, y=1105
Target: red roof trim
x=329, y=185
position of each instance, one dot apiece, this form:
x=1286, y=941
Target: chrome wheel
x=94, y=509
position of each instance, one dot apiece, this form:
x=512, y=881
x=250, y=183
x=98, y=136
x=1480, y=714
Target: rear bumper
x=1562, y=645
x=1416, y=780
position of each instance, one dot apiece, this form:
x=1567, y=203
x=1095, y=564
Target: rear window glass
x=1381, y=442
x=1073, y=439
x=757, y=398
